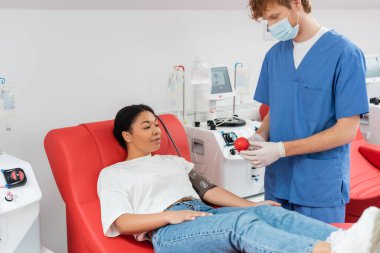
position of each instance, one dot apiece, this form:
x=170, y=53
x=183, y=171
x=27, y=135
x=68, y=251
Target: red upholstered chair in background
x=263, y=110
x=77, y=155
x=364, y=178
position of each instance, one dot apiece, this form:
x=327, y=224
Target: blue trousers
x=252, y=229
x=326, y=214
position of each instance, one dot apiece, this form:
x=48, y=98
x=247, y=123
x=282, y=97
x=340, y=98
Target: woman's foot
x=363, y=236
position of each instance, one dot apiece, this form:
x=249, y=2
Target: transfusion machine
x=20, y=198
x=215, y=157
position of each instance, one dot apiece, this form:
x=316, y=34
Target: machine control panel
x=229, y=137
x=14, y=177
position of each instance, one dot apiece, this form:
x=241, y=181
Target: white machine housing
x=373, y=68
x=369, y=125
x=213, y=159
x=19, y=218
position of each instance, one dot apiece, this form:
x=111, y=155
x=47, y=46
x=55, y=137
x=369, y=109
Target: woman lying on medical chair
x=152, y=198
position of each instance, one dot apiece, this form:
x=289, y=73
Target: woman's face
x=145, y=134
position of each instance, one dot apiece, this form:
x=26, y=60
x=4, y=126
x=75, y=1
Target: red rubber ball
x=241, y=143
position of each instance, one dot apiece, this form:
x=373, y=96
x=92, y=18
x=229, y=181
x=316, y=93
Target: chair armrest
x=372, y=154
x=342, y=225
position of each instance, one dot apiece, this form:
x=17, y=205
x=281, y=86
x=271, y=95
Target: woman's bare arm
x=221, y=197
x=129, y=224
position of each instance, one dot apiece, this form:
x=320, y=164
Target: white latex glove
x=262, y=154
x=256, y=137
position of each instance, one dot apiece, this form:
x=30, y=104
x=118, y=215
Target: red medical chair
x=76, y=156
x=364, y=178
x=263, y=111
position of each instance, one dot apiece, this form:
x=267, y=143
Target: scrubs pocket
x=317, y=181
x=315, y=102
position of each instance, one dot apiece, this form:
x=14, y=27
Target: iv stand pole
x=234, y=102
x=182, y=68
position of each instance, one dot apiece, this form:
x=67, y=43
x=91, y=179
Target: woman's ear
x=297, y=4
x=127, y=136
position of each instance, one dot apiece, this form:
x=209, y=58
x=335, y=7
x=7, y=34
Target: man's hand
x=262, y=154
x=176, y=217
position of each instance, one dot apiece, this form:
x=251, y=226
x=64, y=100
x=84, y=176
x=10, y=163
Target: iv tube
x=182, y=69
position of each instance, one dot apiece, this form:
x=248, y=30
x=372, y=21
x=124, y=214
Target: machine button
x=21, y=175
x=14, y=176
x=255, y=177
x=9, y=196
x=229, y=138
x=211, y=124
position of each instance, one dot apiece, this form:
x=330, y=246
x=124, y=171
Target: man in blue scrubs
x=313, y=79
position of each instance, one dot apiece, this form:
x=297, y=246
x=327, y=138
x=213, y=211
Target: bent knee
x=243, y=218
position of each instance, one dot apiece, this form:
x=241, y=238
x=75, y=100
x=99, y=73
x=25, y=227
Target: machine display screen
x=220, y=80
x=373, y=67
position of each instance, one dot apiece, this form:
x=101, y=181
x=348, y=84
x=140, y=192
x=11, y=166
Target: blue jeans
x=325, y=214
x=230, y=229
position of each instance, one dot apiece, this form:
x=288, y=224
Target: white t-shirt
x=143, y=185
x=301, y=48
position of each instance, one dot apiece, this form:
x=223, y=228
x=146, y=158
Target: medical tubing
x=170, y=137
x=223, y=121
x=234, y=102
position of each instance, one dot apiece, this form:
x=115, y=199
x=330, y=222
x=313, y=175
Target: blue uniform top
x=329, y=84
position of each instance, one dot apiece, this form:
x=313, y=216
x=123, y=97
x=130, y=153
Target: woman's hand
x=176, y=217
x=267, y=202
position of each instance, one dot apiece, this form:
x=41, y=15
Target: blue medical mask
x=283, y=30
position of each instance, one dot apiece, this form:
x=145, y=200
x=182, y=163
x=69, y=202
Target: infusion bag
x=7, y=99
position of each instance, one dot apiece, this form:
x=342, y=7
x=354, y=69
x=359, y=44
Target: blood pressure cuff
x=200, y=184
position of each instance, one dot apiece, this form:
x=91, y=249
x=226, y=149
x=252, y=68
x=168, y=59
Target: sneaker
x=362, y=237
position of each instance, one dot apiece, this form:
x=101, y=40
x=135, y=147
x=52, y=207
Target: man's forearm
x=341, y=133
x=264, y=128
x=221, y=197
